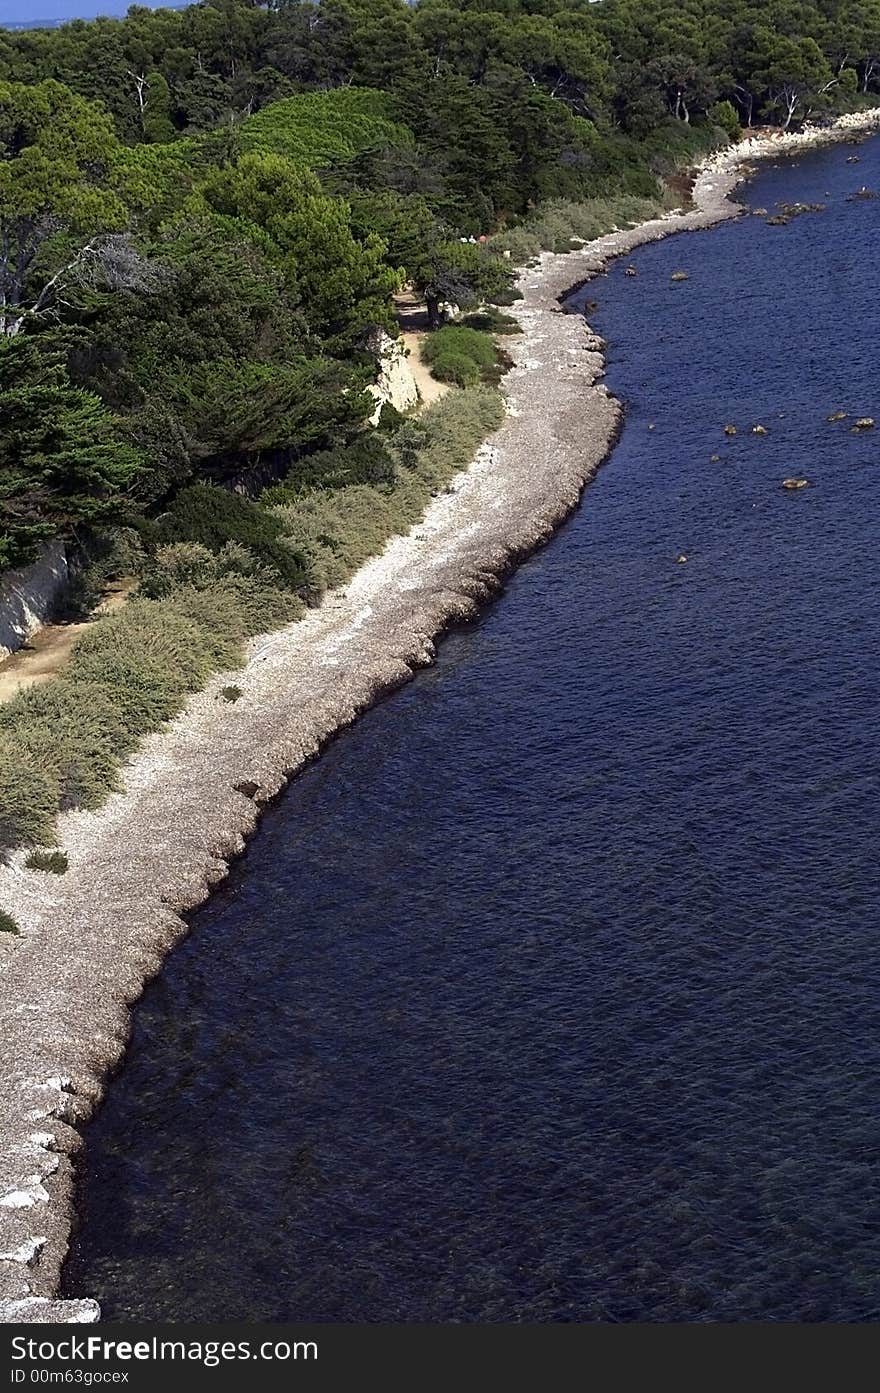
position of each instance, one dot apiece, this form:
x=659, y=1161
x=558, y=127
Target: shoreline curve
x=93, y=939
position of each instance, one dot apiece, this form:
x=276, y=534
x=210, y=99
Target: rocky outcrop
x=27, y=596
x=395, y=383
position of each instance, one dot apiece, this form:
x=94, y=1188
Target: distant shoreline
x=92, y=938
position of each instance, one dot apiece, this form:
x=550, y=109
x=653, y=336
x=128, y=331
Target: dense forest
x=204, y=215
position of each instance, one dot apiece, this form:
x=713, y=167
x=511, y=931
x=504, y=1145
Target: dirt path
x=46, y=652
x=413, y=319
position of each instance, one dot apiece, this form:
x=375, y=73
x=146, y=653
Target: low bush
x=7, y=923
x=460, y=354
x=54, y=862
x=231, y=693
x=561, y=224
x=725, y=116
x=456, y=368
x=28, y=798
x=365, y=460
x=492, y=321
x=458, y=339
x=167, y=643
x=213, y=517
x=505, y=297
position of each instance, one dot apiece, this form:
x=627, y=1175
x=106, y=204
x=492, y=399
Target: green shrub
x=218, y=613
x=213, y=517
x=524, y=245
x=724, y=115
x=7, y=923
x=231, y=694
x=492, y=321
x=459, y=354
x=82, y=763
x=178, y=565
x=455, y=367
x=262, y=609
x=365, y=460
x=70, y=708
x=149, y=655
x=28, y=798
x=505, y=297
x=143, y=688
x=458, y=339
x=153, y=633
x=54, y=862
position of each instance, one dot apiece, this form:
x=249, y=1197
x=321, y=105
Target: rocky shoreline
x=92, y=939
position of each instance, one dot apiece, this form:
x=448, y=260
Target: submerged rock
x=631, y=271
x=837, y=416
x=795, y=483
x=680, y=276
x=730, y=430
x=862, y=194
x=797, y=210
x=759, y=430
x=681, y=559
x=864, y=423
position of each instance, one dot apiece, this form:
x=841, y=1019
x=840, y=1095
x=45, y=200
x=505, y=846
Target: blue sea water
x=552, y=991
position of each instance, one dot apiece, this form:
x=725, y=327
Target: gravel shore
x=92, y=938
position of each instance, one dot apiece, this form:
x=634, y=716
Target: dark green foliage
x=217, y=366
x=365, y=460
x=231, y=694
x=55, y=862
x=505, y=297
x=461, y=355
x=491, y=321
x=453, y=366
x=214, y=517
x=325, y=128
x=64, y=459
x=7, y=923
x=726, y=117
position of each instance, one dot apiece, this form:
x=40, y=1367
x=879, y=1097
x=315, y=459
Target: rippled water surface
x=551, y=991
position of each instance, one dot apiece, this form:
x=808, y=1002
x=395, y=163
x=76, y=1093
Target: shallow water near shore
x=549, y=992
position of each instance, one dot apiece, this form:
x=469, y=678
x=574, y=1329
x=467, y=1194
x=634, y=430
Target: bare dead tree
x=110, y=261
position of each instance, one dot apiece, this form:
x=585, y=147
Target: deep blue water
x=552, y=992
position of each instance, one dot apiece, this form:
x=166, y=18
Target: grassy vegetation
x=561, y=226
x=55, y=862
x=340, y=529
x=203, y=594
x=491, y=321
x=459, y=354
